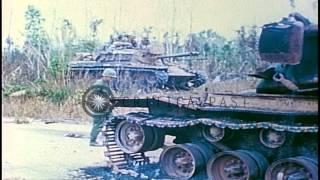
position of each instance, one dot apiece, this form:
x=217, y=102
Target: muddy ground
x=44, y=151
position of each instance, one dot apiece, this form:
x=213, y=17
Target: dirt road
x=41, y=151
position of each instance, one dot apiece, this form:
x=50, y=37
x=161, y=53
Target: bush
x=13, y=88
x=41, y=88
x=56, y=95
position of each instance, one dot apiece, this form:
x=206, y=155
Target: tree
x=36, y=40
x=35, y=34
x=94, y=27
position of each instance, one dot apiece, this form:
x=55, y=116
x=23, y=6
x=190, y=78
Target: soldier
x=107, y=76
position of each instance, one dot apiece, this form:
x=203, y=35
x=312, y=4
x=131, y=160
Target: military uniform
x=99, y=120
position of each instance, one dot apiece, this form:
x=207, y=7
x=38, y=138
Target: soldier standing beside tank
x=107, y=76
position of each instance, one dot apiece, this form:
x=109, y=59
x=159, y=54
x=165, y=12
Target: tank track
x=164, y=122
x=116, y=156
x=120, y=159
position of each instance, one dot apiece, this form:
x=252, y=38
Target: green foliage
x=77, y=95
x=13, y=88
x=237, y=56
x=57, y=66
x=35, y=34
x=56, y=94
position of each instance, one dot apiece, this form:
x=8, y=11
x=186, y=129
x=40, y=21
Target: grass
x=40, y=108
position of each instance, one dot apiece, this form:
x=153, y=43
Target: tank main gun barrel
x=178, y=55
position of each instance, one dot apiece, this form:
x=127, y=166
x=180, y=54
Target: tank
x=268, y=134
x=142, y=65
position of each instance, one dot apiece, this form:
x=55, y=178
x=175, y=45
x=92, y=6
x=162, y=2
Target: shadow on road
x=101, y=172
x=150, y=171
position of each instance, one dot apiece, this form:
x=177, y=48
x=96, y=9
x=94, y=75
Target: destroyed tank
x=269, y=134
x=143, y=66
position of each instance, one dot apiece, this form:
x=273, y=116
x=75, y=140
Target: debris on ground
x=74, y=135
x=18, y=93
x=23, y=120
x=50, y=122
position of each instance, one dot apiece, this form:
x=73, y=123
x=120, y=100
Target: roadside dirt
x=39, y=151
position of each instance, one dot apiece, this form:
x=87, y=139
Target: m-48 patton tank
x=142, y=65
x=268, y=134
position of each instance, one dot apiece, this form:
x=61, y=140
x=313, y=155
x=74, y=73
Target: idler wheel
x=238, y=164
x=96, y=101
x=271, y=138
x=212, y=133
x=293, y=168
x=184, y=160
x=132, y=137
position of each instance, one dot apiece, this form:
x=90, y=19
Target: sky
x=183, y=16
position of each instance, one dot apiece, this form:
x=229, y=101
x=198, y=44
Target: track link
x=116, y=156
x=235, y=124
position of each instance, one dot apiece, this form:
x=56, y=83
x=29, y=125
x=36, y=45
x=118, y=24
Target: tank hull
x=142, y=76
x=278, y=132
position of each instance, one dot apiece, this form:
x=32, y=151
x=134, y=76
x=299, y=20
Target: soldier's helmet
x=156, y=48
x=108, y=72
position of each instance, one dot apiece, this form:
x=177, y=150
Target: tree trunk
x=38, y=68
